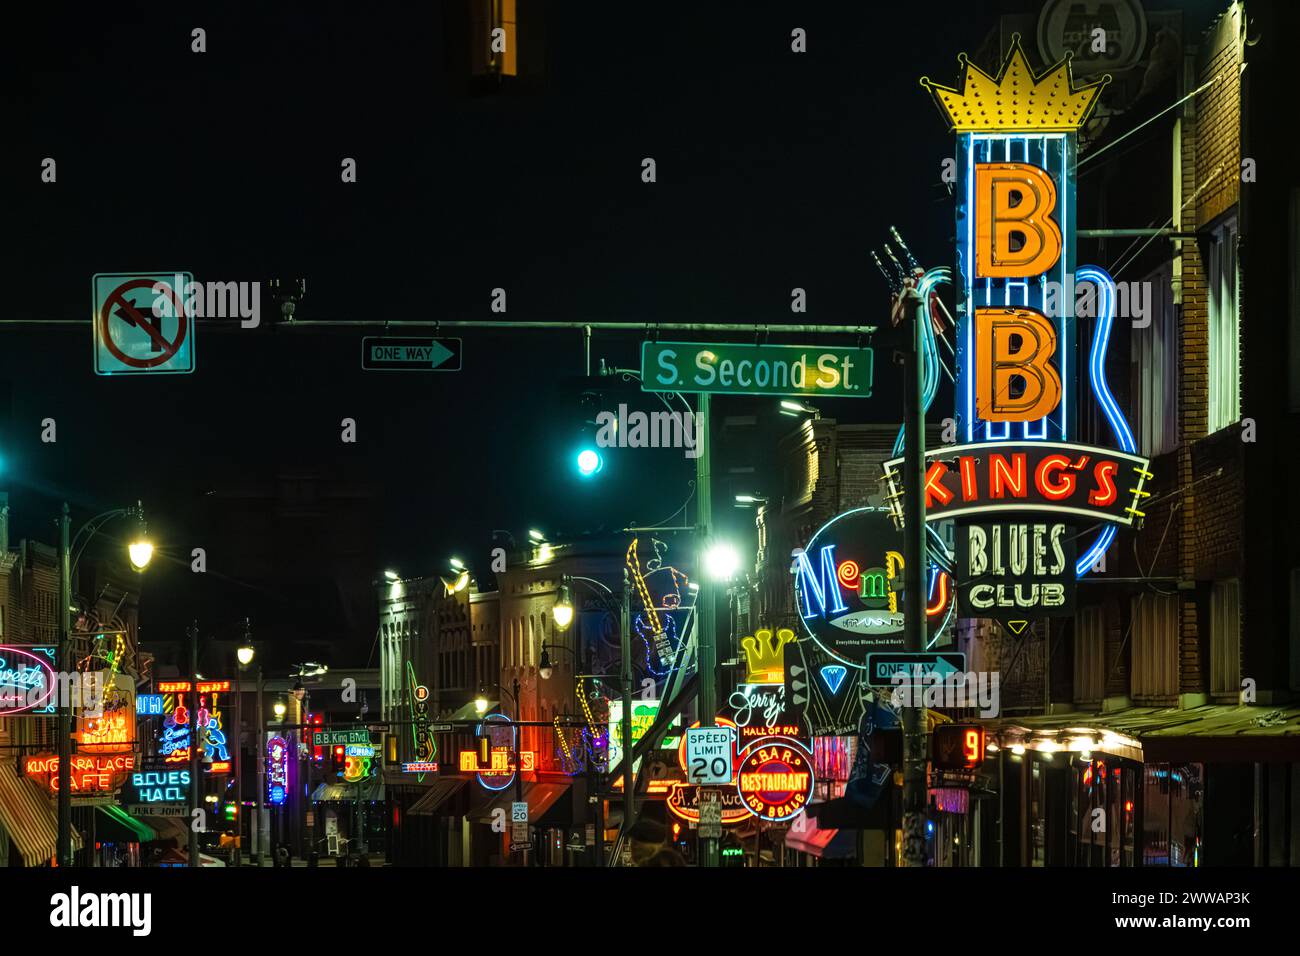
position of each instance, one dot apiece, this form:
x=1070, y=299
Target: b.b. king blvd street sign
x=733, y=369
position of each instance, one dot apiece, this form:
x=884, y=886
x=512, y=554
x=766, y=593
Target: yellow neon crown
x=1017, y=100
x=765, y=658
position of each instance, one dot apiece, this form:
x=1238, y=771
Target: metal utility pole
x=196, y=738
x=239, y=766
x=262, y=831
x=308, y=811
x=705, y=604
x=915, y=736
x=624, y=632
x=519, y=762
x=64, y=729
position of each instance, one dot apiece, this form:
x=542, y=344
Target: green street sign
x=733, y=369
x=329, y=738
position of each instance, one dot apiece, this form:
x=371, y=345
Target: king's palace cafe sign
x=1035, y=508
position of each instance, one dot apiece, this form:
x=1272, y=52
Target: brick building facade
x=1186, y=641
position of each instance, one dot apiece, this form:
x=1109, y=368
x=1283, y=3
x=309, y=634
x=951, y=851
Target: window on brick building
x=1225, y=638
x=1295, y=629
x=1154, y=640
x=1089, y=655
x=1293, y=271
x=1155, y=368
x=1225, y=328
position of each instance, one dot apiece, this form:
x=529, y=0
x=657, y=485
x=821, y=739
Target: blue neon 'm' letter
x=828, y=584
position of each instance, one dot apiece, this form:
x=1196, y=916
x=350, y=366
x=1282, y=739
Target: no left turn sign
x=130, y=336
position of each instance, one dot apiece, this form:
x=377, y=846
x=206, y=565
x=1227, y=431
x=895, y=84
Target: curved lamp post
x=244, y=655
x=562, y=612
x=139, y=553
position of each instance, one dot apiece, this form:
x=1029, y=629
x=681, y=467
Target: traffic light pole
x=706, y=641
x=196, y=737
x=263, y=828
x=63, y=850
x=625, y=732
x=915, y=737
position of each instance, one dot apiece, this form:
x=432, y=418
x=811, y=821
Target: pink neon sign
x=26, y=680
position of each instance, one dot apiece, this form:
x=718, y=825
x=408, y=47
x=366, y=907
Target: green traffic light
x=589, y=462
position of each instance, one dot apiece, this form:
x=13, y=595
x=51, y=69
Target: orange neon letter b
x=997, y=220
x=999, y=359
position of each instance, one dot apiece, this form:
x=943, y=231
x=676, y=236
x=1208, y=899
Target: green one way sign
x=736, y=369
x=379, y=354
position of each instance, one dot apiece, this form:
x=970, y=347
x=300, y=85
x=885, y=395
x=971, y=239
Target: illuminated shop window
x=1172, y=818
x=495, y=52
x=1225, y=328
x=507, y=21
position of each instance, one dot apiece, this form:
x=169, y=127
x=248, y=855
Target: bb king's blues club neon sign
x=1017, y=398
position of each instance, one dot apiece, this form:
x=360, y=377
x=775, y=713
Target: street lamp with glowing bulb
x=562, y=609
x=721, y=561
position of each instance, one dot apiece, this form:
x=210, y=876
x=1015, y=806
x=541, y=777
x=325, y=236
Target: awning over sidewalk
x=120, y=826
x=28, y=818
x=1210, y=733
x=823, y=844
x=349, y=792
x=540, y=798
x=437, y=796
x=471, y=712
x=172, y=829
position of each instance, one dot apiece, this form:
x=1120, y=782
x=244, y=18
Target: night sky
x=775, y=170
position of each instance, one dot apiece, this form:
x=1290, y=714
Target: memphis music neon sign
x=1016, y=223
x=849, y=586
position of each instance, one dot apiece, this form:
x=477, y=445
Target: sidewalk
x=376, y=859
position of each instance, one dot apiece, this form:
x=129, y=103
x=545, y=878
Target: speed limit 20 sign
x=708, y=755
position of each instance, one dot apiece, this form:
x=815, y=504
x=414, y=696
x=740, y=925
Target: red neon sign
x=776, y=782
x=1060, y=477
x=112, y=732
x=184, y=686
x=503, y=760
x=89, y=774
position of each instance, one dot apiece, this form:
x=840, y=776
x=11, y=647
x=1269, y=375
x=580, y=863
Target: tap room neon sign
x=1016, y=330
